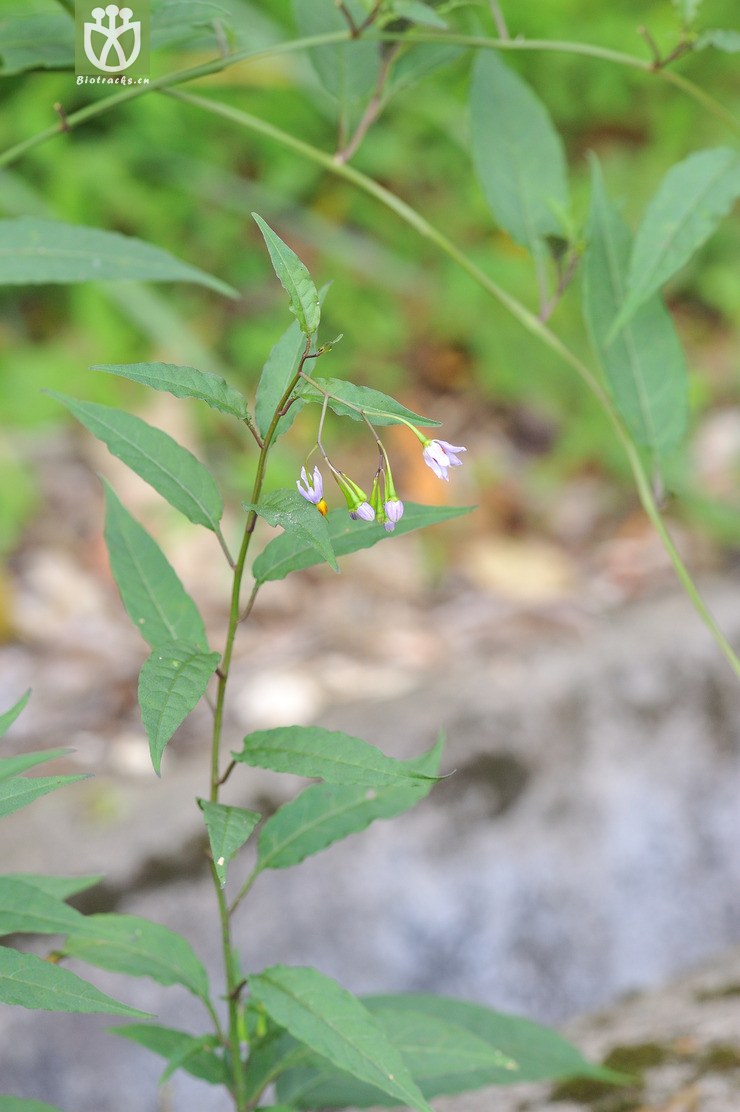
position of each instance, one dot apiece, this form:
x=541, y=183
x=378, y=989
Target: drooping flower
x=313, y=489
x=362, y=510
x=393, y=508
x=355, y=497
x=439, y=455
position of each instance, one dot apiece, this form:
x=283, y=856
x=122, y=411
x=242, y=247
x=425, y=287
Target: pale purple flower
x=363, y=510
x=393, y=513
x=439, y=455
x=313, y=491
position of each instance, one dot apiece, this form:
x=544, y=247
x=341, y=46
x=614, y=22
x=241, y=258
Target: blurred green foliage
x=413, y=322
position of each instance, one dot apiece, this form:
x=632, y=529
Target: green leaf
x=20, y=1104
x=173, y=680
x=286, y=554
x=726, y=41
x=416, y=12
x=13, y=766
x=140, y=948
x=269, y=1056
x=690, y=202
x=22, y=790
x=183, y=382
x=324, y=813
x=172, y=470
x=205, y=1063
x=193, y=1049
x=277, y=374
x=228, y=829
x=348, y=71
x=34, y=250
x=152, y=594
x=645, y=365
x=541, y=1054
x=31, y=982
x=418, y=62
x=517, y=154
x=300, y=519
x=9, y=716
x=442, y=1057
x=294, y=278
x=379, y=407
x=62, y=887
x=41, y=40
x=28, y=909
x=320, y=1013
x=174, y=22
x=328, y=755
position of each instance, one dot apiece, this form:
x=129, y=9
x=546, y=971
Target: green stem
x=230, y=965
x=245, y=888
x=192, y=73
x=586, y=50
x=218, y=65
x=526, y=318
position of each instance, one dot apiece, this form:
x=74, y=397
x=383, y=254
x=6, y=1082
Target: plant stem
x=218, y=65
x=528, y=319
x=232, y=972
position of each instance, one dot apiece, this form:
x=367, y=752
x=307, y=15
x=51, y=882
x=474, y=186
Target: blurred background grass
x=414, y=324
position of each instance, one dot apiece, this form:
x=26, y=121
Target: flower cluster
x=383, y=505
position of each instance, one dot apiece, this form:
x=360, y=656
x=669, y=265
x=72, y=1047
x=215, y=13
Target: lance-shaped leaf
x=416, y=12
x=183, y=382
x=324, y=813
x=140, y=948
x=352, y=401
x=31, y=982
x=690, y=202
x=517, y=153
x=60, y=886
x=228, y=829
x=172, y=681
x=442, y=1057
x=25, y=908
x=21, y=1104
x=287, y=553
x=41, y=40
x=152, y=594
x=300, y=519
x=22, y=790
x=347, y=70
x=327, y=755
x=539, y=1052
x=320, y=1013
x=644, y=366
x=13, y=766
x=278, y=373
x=8, y=717
x=205, y=1063
x=34, y=250
x=294, y=278
x=175, y=22
x=172, y=470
